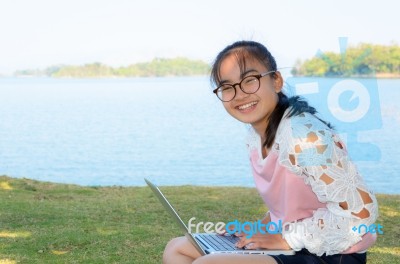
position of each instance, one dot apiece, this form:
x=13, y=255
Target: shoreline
x=376, y=76
x=97, y=77
x=4, y=178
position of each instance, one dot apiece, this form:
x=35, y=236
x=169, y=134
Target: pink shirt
x=285, y=193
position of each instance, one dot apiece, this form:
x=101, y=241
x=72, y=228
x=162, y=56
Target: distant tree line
x=361, y=60
x=156, y=68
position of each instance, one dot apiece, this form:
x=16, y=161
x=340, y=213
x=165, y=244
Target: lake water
x=171, y=130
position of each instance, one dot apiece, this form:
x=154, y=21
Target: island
x=158, y=67
x=362, y=60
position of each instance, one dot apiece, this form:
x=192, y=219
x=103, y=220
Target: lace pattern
x=311, y=150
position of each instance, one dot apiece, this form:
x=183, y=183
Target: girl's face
x=254, y=108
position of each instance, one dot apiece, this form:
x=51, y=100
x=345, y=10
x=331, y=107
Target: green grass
x=44, y=222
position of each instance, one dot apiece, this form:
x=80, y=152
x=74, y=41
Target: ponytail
x=297, y=106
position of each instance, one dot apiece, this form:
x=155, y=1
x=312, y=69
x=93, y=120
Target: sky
x=37, y=34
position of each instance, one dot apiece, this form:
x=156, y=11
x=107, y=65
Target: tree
x=361, y=60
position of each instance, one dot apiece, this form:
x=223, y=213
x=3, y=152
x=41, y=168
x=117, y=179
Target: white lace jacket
x=311, y=150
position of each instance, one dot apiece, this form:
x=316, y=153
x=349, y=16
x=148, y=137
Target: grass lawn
x=44, y=222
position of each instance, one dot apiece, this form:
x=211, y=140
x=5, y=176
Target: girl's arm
x=311, y=150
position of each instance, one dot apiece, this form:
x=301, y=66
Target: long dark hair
x=245, y=50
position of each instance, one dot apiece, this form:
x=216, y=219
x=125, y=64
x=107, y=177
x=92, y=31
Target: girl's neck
x=260, y=130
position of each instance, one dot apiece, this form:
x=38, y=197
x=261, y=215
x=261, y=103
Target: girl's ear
x=278, y=82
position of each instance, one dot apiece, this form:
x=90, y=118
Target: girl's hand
x=265, y=241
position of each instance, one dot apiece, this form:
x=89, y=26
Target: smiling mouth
x=246, y=106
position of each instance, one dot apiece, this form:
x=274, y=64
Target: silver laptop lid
x=174, y=215
x=167, y=205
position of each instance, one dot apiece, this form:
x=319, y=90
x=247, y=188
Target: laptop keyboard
x=220, y=242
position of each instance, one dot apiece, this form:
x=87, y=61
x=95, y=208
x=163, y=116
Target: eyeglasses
x=249, y=85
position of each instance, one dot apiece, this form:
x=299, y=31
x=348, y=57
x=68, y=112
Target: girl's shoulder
x=303, y=119
x=301, y=126
x=304, y=139
x=292, y=127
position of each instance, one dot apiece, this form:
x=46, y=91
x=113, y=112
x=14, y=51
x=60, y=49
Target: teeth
x=241, y=107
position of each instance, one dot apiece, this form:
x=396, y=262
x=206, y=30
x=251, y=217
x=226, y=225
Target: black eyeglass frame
x=258, y=76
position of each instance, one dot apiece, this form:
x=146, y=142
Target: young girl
x=300, y=166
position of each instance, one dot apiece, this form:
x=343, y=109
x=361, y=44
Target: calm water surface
x=171, y=130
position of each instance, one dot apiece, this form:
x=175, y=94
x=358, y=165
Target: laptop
x=213, y=243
